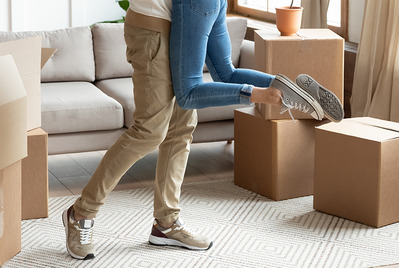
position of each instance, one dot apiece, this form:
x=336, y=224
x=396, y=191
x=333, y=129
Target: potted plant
x=289, y=19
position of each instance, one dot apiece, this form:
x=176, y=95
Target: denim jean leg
x=199, y=33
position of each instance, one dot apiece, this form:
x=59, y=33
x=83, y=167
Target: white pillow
x=110, y=51
x=74, y=58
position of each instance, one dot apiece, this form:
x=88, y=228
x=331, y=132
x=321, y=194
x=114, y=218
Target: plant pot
x=288, y=20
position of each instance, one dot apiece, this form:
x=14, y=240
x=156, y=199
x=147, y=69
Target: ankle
x=78, y=217
x=268, y=95
x=165, y=225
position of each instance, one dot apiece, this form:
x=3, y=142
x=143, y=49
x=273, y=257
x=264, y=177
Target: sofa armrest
x=247, y=55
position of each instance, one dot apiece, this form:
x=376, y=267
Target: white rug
x=248, y=231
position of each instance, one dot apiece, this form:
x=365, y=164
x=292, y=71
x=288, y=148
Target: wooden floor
x=69, y=173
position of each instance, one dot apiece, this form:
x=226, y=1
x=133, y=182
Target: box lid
x=302, y=34
x=366, y=128
x=11, y=85
x=47, y=53
x=13, y=142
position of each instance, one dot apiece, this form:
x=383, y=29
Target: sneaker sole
x=65, y=223
x=302, y=93
x=335, y=113
x=160, y=241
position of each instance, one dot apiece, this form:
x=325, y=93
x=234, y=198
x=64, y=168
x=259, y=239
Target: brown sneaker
x=79, y=235
x=178, y=235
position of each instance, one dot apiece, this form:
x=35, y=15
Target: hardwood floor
x=69, y=173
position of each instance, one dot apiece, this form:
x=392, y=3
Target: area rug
x=248, y=230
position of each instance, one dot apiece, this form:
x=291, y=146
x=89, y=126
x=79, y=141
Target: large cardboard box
x=357, y=171
x=28, y=56
x=35, y=176
x=13, y=113
x=316, y=52
x=274, y=158
x=10, y=185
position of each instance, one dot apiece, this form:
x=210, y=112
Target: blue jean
x=199, y=34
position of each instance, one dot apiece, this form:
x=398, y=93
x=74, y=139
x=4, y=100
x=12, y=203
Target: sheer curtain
x=314, y=13
x=375, y=90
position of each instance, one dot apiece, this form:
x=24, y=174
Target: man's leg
x=169, y=229
x=154, y=101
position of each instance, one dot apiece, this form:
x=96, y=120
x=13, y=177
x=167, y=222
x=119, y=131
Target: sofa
x=87, y=90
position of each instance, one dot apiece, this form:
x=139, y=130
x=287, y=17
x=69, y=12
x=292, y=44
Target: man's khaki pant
x=158, y=121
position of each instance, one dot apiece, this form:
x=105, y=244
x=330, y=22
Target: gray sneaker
x=296, y=98
x=178, y=235
x=79, y=235
x=330, y=103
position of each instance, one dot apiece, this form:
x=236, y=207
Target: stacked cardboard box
x=317, y=52
x=13, y=148
x=357, y=171
x=20, y=116
x=274, y=155
x=274, y=158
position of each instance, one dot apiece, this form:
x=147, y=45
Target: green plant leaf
x=124, y=4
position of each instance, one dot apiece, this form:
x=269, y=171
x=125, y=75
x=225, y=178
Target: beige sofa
x=87, y=96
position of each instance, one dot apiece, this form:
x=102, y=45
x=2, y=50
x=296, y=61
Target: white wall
x=35, y=15
x=32, y=15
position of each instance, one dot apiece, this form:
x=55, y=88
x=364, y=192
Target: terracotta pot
x=288, y=20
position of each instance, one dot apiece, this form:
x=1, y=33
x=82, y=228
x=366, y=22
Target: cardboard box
x=13, y=113
x=35, y=176
x=274, y=158
x=28, y=56
x=10, y=242
x=316, y=52
x=357, y=171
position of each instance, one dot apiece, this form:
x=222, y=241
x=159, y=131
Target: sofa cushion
x=74, y=58
x=78, y=106
x=110, y=51
x=120, y=89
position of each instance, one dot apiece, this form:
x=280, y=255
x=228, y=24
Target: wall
x=35, y=15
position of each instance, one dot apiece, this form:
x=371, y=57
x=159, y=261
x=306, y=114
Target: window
x=265, y=10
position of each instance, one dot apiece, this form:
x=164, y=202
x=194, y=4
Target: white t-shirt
x=153, y=8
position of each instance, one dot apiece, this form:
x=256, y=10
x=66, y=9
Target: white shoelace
x=186, y=229
x=295, y=106
x=85, y=235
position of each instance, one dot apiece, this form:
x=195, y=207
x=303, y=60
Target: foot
x=296, y=98
x=79, y=235
x=178, y=235
x=330, y=103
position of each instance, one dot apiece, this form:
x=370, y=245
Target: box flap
x=11, y=85
x=389, y=125
x=27, y=56
x=365, y=128
x=13, y=142
x=47, y=53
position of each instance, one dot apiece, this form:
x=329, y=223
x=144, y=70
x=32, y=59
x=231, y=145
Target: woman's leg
x=218, y=58
x=192, y=23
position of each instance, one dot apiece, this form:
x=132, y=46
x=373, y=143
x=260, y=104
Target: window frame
x=271, y=17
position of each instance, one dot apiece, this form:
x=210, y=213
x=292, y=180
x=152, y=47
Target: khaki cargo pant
x=158, y=121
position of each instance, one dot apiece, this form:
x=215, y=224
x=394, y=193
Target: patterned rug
x=248, y=230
